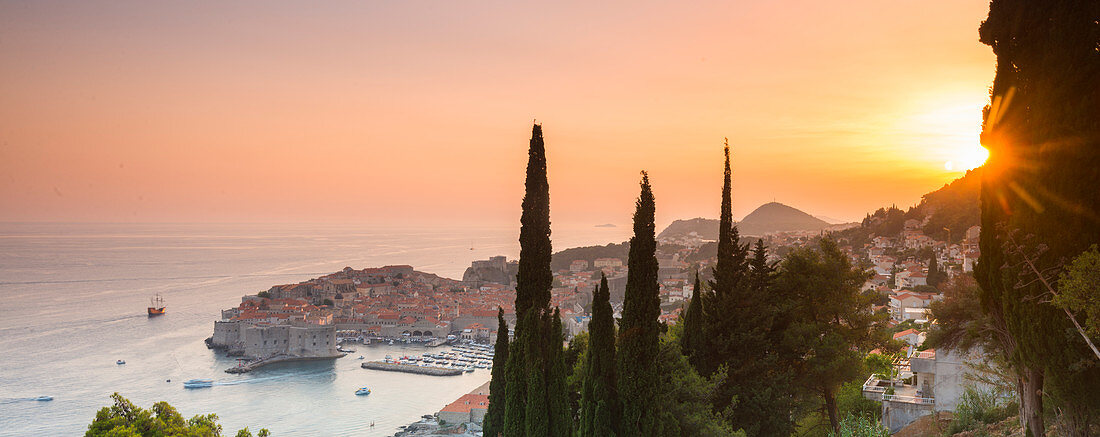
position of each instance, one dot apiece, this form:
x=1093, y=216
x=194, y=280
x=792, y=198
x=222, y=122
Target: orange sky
x=419, y=112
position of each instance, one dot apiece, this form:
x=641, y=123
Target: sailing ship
x=156, y=305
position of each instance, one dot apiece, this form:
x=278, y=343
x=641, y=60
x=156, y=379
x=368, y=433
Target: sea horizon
x=75, y=298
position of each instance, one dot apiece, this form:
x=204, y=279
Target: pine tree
x=830, y=328
x=638, y=337
x=599, y=398
x=692, y=341
x=494, y=417
x=761, y=274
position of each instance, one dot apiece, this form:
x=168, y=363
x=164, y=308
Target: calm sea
x=73, y=298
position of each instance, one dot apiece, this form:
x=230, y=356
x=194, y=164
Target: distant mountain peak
x=774, y=217
x=768, y=218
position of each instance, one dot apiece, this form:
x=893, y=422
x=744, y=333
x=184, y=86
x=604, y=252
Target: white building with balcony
x=926, y=382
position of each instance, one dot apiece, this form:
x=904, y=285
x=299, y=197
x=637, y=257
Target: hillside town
x=399, y=304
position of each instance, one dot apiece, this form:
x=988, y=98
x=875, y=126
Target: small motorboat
x=198, y=383
x=120, y=362
x=360, y=357
x=363, y=391
x=44, y=398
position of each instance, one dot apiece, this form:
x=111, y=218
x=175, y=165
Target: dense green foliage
x=850, y=404
x=561, y=413
x=639, y=329
x=515, y=382
x=682, y=403
x=977, y=408
x=533, y=282
x=829, y=324
x=1079, y=289
x=729, y=271
x=576, y=357
x=693, y=340
x=494, y=417
x=850, y=401
x=599, y=397
x=1042, y=129
x=124, y=419
x=536, y=395
x=861, y=426
x=740, y=334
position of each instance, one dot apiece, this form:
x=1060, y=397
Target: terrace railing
x=909, y=399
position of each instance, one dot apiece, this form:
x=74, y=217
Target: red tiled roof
x=467, y=402
x=905, y=332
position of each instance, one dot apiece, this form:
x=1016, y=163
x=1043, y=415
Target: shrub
x=979, y=407
x=860, y=426
x=850, y=401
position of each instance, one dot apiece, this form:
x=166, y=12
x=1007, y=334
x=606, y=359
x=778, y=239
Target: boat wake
x=31, y=399
x=270, y=378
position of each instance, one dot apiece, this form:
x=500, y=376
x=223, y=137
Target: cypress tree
x=494, y=417
x=729, y=271
x=536, y=398
x=598, y=396
x=935, y=276
x=730, y=267
x=1043, y=136
x=742, y=335
x=536, y=418
x=515, y=374
x=639, y=333
x=525, y=373
x=692, y=340
x=560, y=411
x=547, y=411
x=534, y=279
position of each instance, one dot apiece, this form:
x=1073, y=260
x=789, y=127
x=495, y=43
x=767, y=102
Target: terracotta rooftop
x=467, y=402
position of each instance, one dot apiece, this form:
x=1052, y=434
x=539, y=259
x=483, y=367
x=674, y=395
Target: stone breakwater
x=255, y=364
x=408, y=368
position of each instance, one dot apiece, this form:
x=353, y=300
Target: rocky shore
x=432, y=428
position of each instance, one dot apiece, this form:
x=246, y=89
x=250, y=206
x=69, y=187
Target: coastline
x=438, y=426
